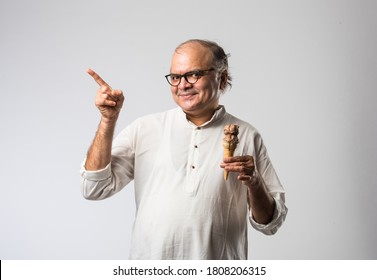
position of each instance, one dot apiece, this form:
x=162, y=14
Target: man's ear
x=223, y=80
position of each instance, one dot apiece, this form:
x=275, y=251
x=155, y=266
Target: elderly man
x=184, y=207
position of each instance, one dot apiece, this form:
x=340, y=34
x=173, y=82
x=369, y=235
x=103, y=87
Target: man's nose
x=184, y=84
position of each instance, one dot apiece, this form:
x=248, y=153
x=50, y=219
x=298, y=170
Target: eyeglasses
x=191, y=77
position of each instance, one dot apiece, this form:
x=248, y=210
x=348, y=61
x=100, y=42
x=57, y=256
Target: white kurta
x=184, y=208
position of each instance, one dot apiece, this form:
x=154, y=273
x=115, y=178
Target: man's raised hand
x=108, y=101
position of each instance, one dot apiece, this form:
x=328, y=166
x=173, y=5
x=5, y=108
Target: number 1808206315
x=232, y=270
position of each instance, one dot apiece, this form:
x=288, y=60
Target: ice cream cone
x=227, y=153
x=230, y=142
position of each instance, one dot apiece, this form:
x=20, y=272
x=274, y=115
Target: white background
x=305, y=74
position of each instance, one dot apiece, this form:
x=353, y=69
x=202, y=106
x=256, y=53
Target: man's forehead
x=191, y=57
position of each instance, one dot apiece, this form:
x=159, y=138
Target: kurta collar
x=218, y=115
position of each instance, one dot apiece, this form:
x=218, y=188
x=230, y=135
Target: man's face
x=201, y=99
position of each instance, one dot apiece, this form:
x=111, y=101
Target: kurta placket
x=193, y=164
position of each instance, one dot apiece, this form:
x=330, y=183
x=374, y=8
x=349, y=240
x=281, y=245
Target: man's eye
x=197, y=74
x=175, y=77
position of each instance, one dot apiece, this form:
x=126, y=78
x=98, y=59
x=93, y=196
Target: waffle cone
x=227, y=153
x=230, y=142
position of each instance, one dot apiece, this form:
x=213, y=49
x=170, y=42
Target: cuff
x=97, y=175
x=277, y=219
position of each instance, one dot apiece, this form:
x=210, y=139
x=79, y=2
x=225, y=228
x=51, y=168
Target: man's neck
x=199, y=120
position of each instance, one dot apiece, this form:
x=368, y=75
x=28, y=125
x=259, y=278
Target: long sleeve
x=101, y=184
x=272, y=184
x=279, y=216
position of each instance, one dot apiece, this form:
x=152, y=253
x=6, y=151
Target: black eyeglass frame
x=199, y=73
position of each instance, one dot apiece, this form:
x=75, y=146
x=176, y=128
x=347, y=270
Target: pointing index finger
x=97, y=78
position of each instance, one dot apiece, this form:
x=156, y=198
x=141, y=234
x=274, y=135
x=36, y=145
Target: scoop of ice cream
x=230, y=140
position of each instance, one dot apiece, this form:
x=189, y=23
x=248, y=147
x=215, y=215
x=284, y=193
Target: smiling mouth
x=187, y=94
